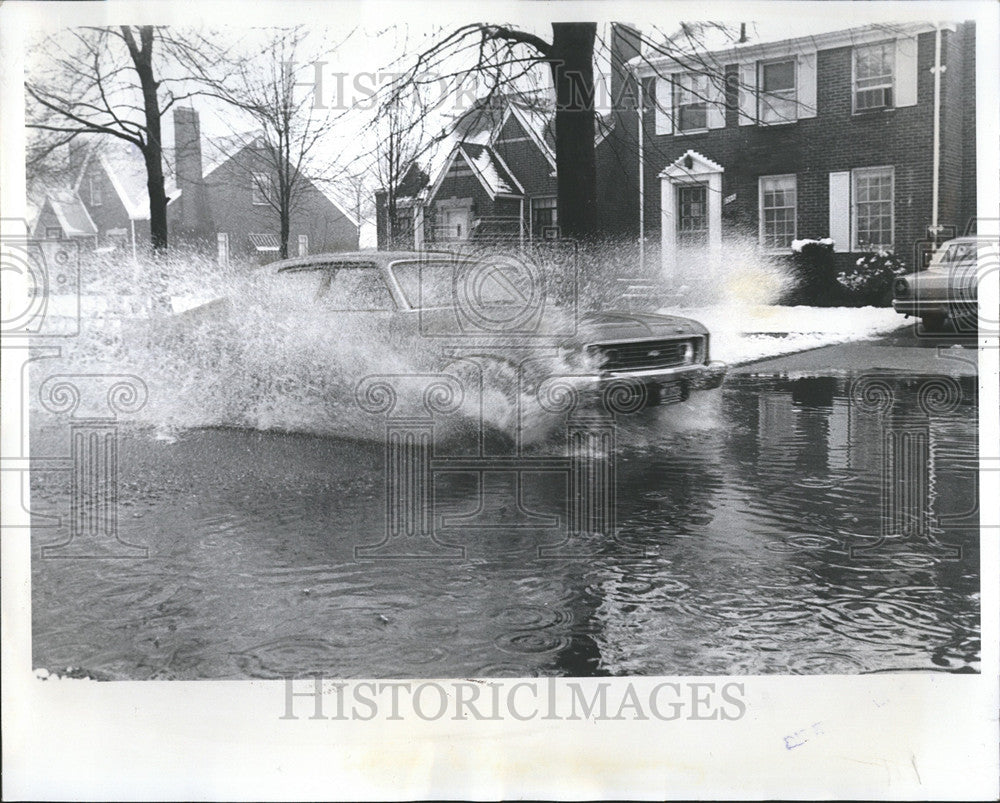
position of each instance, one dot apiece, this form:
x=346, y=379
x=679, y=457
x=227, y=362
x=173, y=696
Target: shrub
x=814, y=265
x=870, y=278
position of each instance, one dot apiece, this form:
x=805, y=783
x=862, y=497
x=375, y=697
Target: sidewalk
x=744, y=333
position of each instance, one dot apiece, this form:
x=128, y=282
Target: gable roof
x=125, y=168
x=699, y=164
x=73, y=217
x=492, y=171
x=540, y=126
x=488, y=168
x=217, y=151
x=475, y=133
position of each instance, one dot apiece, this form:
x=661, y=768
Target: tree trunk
x=157, y=197
x=572, y=63
x=285, y=229
x=142, y=57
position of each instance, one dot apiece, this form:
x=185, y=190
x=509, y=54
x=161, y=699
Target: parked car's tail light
x=900, y=287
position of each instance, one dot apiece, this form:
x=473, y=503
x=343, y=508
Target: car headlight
x=689, y=352
x=900, y=287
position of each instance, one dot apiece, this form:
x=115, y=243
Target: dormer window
x=873, y=76
x=691, y=102
x=776, y=101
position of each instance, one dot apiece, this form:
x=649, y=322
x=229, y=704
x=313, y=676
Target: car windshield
x=952, y=254
x=434, y=283
x=349, y=286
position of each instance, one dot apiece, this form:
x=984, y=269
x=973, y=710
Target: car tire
x=932, y=323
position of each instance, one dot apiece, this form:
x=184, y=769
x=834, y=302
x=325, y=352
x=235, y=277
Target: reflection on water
x=774, y=526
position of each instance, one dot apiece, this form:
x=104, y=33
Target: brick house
x=498, y=180
x=827, y=135
x=216, y=193
x=109, y=178
x=223, y=198
x=63, y=215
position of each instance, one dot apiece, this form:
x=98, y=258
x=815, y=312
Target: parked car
x=497, y=304
x=947, y=290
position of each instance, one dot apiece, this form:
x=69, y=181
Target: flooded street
x=759, y=528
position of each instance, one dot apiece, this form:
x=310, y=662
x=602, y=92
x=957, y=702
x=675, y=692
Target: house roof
x=475, y=132
x=491, y=170
x=126, y=169
x=698, y=164
x=71, y=213
x=216, y=151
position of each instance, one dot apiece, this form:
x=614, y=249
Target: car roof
x=971, y=239
x=359, y=257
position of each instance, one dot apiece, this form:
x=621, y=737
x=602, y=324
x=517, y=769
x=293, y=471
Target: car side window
x=960, y=254
x=356, y=290
x=299, y=284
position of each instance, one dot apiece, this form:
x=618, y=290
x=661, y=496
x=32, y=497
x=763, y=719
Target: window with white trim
x=776, y=101
x=260, y=189
x=778, y=196
x=872, y=207
x=690, y=102
x=874, y=68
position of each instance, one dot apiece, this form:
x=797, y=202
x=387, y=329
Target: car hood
x=602, y=327
x=589, y=327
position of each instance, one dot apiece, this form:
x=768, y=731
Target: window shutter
x=748, y=93
x=664, y=99
x=840, y=210
x=906, y=72
x=716, y=115
x=806, y=85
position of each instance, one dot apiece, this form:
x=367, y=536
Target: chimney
x=76, y=156
x=625, y=46
x=192, y=214
x=187, y=146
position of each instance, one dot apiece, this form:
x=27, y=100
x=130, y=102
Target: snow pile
x=798, y=245
x=745, y=333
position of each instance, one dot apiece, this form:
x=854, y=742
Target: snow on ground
x=746, y=333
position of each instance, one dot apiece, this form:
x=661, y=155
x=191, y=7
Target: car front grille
x=644, y=355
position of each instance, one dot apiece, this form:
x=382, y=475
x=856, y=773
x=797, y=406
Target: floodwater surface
x=773, y=526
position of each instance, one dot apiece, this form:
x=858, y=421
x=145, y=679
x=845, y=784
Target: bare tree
x=399, y=130
x=268, y=85
x=110, y=82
